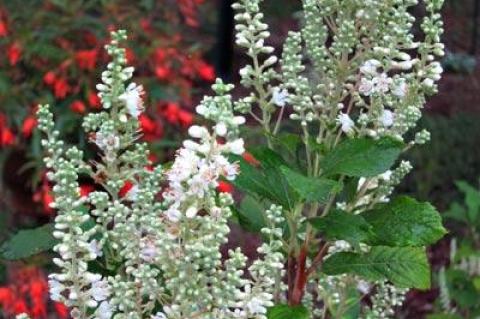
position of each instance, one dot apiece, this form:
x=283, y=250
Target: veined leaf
x=288, y=312
x=29, y=242
x=268, y=158
x=405, y=222
x=311, y=189
x=267, y=182
x=250, y=214
x=362, y=157
x=404, y=266
x=340, y=225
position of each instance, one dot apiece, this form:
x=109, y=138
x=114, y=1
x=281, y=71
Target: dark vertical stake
x=225, y=39
x=476, y=13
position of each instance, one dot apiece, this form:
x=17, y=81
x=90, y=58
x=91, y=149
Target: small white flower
x=133, y=99
x=191, y=212
x=159, y=315
x=256, y=306
x=221, y=129
x=239, y=120
x=386, y=176
x=94, y=249
x=366, y=87
x=56, y=288
x=436, y=68
x=236, y=146
x=107, y=142
x=370, y=67
x=428, y=82
x=100, y=290
x=148, y=251
x=280, y=97
x=104, y=311
x=196, y=131
x=346, y=122
x=400, y=88
x=382, y=83
x=173, y=215
x=387, y=118
x=363, y=287
x=405, y=65
x=191, y=145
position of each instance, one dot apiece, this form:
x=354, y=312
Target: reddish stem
x=290, y=273
x=300, y=278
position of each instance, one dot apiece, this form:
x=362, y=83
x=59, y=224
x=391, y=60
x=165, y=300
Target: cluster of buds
x=153, y=252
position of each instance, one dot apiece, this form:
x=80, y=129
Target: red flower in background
x=28, y=293
x=61, y=88
x=86, y=189
x=160, y=55
x=7, y=137
x=185, y=118
x=44, y=196
x=170, y=112
x=86, y=59
x=174, y=114
x=78, y=106
x=150, y=128
x=225, y=187
x=146, y=25
x=189, y=11
x=94, y=101
x=162, y=72
x=206, y=71
x=3, y=28
x=130, y=56
x=250, y=159
x=49, y=78
x=127, y=186
x=14, y=53
x=61, y=309
x=28, y=125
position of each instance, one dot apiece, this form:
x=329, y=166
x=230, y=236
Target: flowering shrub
x=147, y=243
x=52, y=50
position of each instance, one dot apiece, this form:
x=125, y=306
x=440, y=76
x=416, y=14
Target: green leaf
x=250, y=214
x=267, y=182
x=288, y=312
x=29, y=242
x=311, y=189
x=267, y=157
x=340, y=225
x=456, y=212
x=362, y=157
x=288, y=141
x=472, y=200
x=250, y=179
x=404, y=266
x=405, y=222
x=462, y=289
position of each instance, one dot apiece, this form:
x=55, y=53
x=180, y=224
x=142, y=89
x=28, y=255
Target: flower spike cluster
x=152, y=252
x=148, y=242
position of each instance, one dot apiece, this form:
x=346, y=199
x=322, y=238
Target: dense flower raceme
x=354, y=72
x=162, y=243
x=67, y=49
x=158, y=232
